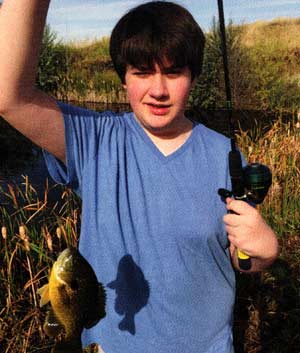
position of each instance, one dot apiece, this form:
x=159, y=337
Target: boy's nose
x=158, y=87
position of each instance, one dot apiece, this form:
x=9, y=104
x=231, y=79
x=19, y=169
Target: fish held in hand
x=77, y=301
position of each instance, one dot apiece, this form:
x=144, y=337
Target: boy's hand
x=248, y=231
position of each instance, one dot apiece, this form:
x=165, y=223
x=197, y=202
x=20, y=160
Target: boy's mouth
x=159, y=109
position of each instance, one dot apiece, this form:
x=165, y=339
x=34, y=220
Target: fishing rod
x=250, y=183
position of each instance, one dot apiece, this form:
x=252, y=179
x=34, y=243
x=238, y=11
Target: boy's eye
x=175, y=72
x=141, y=72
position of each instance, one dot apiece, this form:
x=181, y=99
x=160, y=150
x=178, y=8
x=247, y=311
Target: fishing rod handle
x=243, y=260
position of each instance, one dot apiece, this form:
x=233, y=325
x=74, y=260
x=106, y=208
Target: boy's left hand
x=248, y=231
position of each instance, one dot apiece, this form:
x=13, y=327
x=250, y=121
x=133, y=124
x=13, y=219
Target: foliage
x=53, y=65
x=263, y=75
x=209, y=92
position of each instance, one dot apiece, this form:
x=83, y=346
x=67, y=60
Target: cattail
x=48, y=239
x=23, y=235
x=22, y=232
x=49, y=242
x=27, y=244
x=4, y=232
x=58, y=232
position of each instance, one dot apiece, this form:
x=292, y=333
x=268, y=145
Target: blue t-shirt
x=152, y=229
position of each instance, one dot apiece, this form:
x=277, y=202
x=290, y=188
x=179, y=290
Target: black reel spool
x=257, y=180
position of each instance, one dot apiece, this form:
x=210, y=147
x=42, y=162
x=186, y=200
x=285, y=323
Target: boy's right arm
x=33, y=113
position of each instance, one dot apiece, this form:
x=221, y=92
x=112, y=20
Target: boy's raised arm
x=29, y=110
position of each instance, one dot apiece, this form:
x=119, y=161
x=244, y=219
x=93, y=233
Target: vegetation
x=271, y=323
x=81, y=72
x=264, y=58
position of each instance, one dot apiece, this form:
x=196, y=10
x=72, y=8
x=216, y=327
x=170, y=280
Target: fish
x=76, y=298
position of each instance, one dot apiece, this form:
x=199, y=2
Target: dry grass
x=279, y=149
x=268, y=304
x=282, y=31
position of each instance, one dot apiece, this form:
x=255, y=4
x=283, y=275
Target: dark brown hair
x=157, y=32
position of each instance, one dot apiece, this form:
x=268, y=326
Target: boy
x=153, y=227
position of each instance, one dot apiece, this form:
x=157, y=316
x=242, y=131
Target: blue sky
x=90, y=19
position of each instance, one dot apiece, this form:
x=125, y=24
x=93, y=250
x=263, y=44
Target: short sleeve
x=83, y=135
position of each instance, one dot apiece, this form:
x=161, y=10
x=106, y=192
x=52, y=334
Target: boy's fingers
x=231, y=219
x=239, y=207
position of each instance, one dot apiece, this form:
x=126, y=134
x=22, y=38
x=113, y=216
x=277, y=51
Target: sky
x=81, y=20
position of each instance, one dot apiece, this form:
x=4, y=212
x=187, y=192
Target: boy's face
x=158, y=97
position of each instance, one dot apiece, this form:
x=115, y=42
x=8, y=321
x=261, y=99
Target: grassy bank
x=267, y=317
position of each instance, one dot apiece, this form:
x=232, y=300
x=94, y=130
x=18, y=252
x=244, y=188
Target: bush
x=209, y=92
x=53, y=64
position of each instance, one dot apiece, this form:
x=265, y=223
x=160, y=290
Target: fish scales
x=77, y=301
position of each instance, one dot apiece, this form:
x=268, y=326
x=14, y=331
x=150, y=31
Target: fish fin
x=52, y=325
x=98, y=311
x=43, y=292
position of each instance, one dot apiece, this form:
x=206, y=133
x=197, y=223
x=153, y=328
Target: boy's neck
x=169, y=142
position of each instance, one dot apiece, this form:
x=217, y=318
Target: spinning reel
x=250, y=183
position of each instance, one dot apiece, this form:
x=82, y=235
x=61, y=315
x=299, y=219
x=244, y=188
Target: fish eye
x=74, y=284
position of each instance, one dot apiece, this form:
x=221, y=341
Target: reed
x=278, y=148
x=268, y=306
x=33, y=232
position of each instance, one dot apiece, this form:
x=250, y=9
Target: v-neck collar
x=137, y=126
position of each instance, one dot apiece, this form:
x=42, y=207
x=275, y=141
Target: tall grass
x=34, y=230
x=268, y=304
x=278, y=148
